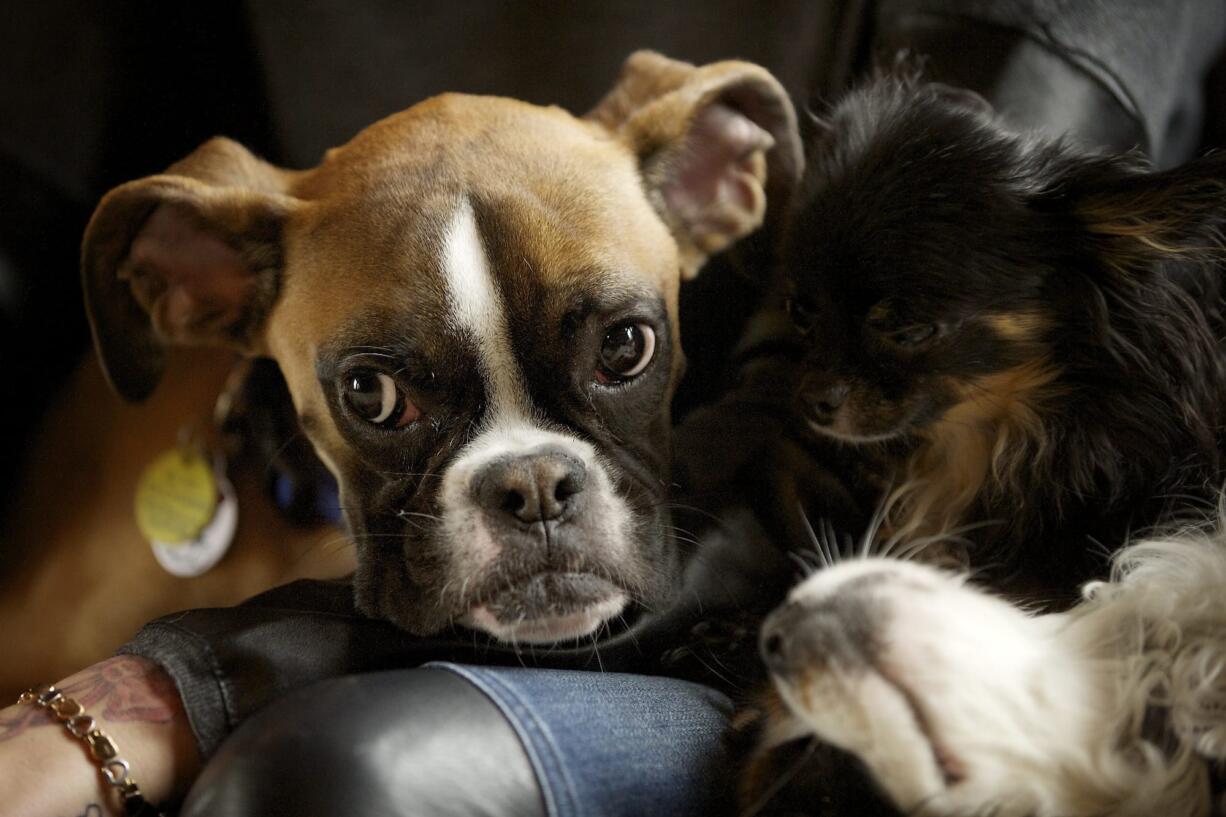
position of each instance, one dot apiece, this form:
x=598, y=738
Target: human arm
x=49, y=773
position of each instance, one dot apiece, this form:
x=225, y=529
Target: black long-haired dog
x=1027, y=338
x=1032, y=335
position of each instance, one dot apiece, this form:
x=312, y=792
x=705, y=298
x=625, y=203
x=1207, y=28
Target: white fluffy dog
x=959, y=703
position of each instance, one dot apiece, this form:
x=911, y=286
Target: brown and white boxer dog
x=474, y=304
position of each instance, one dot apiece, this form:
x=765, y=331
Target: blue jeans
x=613, y=744
x=451, y=740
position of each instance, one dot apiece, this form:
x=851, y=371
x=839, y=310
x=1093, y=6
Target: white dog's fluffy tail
x=1163, y=618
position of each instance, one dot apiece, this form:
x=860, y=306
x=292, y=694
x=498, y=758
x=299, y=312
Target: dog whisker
x=628, y=630
x=417, y=474
x=405, y=514
x=272, y=460
x=819, y=548
x=804, y=563
x=328, y=547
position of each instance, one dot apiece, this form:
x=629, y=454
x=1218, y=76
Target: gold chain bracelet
x=114, y=769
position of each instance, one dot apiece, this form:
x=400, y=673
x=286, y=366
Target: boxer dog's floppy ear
x=191, y=256
x=714, y=144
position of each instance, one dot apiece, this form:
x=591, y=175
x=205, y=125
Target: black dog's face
x=979, y=295
x=918, y=266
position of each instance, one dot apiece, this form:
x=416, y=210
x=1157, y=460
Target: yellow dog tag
x=176, y=497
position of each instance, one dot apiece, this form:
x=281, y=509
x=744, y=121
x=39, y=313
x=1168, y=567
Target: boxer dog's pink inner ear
x=716, y=187
x=191, y=281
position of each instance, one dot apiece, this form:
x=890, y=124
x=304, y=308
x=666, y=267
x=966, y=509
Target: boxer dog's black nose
x=541, y=486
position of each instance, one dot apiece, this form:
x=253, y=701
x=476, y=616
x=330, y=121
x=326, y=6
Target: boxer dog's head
x=474, y=305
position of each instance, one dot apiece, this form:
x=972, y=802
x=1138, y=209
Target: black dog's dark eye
x=375, y=398
x=914, y=335
x=801, y=315
x=625, y=352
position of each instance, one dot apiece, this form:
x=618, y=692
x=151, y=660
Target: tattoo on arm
x=117, y=690
x=129, y=690
x=17, y=719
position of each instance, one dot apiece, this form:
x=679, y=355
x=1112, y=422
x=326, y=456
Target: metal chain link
x=102, y=749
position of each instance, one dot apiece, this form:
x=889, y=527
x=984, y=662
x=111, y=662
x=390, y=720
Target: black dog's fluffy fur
x=1031, y=336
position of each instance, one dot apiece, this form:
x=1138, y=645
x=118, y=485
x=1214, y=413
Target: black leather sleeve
x=409, y=743
x=1117, y=75
x=229, y=662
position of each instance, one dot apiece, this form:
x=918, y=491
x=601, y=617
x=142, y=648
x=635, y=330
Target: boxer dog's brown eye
x=625, y=352
x=375, y=398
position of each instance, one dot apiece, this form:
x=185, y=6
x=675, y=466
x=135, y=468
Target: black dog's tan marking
x=983, y=444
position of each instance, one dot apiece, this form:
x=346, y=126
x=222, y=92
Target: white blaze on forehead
x=510, y=430
x=477, y=310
